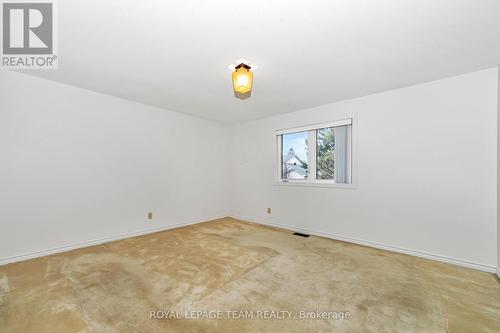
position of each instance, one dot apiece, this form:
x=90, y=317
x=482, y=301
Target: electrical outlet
x=269, y=210
x=150, y=215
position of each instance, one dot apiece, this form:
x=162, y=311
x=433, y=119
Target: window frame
x=311, y=180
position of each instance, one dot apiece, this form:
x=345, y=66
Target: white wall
x=427, y=164
x=498, y=175
x=77, y=166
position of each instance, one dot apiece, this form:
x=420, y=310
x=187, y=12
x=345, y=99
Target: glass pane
x=325, y=153
x=294, y=156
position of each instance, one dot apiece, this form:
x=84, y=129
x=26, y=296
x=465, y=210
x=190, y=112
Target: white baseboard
x=64, y=248
x=416, y=253
x=498, y=272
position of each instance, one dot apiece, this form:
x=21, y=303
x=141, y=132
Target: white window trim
x=346, y=121
x=320, y=183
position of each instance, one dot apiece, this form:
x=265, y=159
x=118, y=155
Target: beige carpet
x=229, y=265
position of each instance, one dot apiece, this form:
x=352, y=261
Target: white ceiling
x=174, y=54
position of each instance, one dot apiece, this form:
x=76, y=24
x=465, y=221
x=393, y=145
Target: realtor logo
x=28, y=35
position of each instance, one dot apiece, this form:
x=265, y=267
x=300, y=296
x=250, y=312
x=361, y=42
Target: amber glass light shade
x=242, y=80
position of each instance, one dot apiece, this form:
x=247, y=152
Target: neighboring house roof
x=290, y=156
x=297, y=168
x=293, y=163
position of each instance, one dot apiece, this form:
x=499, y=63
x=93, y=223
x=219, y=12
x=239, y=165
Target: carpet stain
x=231, y=265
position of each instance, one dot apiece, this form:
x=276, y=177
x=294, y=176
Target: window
x=316, y=154
x=294, y=165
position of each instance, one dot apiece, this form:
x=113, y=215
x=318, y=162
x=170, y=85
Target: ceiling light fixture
x=242, y=78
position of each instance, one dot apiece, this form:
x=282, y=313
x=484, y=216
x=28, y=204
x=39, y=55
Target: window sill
x=298, y=183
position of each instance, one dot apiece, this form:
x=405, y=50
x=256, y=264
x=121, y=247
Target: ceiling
x=174, y=54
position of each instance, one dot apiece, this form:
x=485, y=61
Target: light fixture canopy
x=242, y=79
